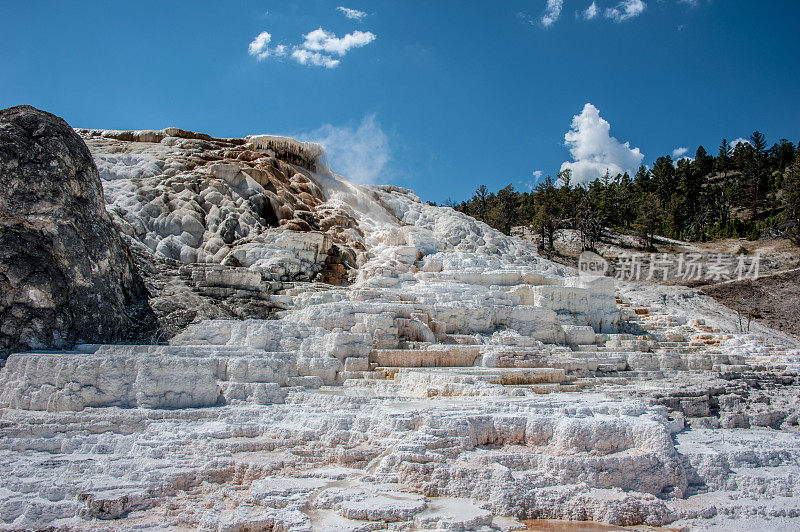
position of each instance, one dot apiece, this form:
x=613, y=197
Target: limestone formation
x=196, y=199
x=65, y=274
x=360, y=360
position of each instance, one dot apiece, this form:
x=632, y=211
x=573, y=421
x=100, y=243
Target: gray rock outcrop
x=65, y=274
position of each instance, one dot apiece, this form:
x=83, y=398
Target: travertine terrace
x=410, y=368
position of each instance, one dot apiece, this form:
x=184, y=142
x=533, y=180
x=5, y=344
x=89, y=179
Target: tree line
x=746, y=190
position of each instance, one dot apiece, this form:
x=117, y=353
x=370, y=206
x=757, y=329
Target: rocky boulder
x=65, y=274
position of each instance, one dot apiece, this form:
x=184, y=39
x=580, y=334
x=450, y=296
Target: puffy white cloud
x=320, y=40
x=353, y=14
x=590, y=12
x=594, y=151
x=260, y=47
x=319, y=47
x=679, y=152
x=625, y=10
x=551, y=12
x=304, y=57
x=359, y=154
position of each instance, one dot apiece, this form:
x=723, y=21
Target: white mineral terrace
x=460, y=382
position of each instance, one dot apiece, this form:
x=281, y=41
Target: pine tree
x=643, y=179
x=481, y=200
x=693, y=177
x=694, y=203
x=703, y=162
x=783, y=153
x=675, y=213
x=791, y=194
x=507, y=209
x=665, y=178
x=566, y=195
x=547, y=220
x=649, y=220
x=755, y=174
x=724, y=158
x=586, y=216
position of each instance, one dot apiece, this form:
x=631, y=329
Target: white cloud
x=740, y=140
x=260, y=47
x=530, y=184
x=304, y=57
x=679, y=152
x=594, y=151
x=318, y=48
x=551, y=12
x=625, y=10
x=359, y=154
x=590, y=12
x=320, y=40
x=353, y=14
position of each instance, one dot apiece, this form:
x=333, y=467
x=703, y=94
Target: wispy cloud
x=353, y=14
x=625, y=10
x=551, y=12
x=526, y=18
x=590, y=12
x=614, y=10
x=359, y=154
x=530, y=184
x=594, y=151
x=679, y=154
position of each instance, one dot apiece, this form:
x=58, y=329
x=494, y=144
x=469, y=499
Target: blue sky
x=436, y=96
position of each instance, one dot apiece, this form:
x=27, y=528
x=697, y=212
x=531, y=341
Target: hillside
x=324, y=355
x=747, y=191
x=771, y=299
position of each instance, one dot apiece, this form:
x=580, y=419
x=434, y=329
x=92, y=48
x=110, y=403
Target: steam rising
x=358, y=154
